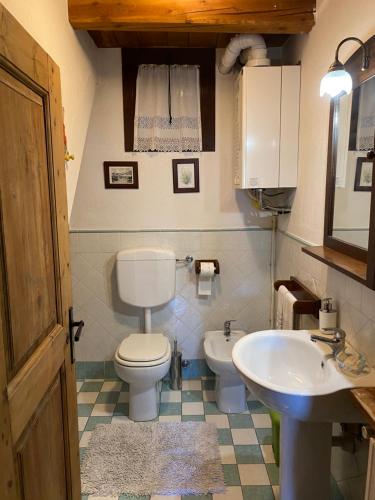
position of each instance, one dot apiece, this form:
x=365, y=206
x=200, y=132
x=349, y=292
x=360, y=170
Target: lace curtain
x=167, y=109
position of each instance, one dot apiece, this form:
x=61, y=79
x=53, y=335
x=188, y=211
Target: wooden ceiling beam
x=133, y=39
x=226, y=16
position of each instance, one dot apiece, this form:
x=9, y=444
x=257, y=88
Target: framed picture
x=121, y=174
x=363, y=175
x=186, y=175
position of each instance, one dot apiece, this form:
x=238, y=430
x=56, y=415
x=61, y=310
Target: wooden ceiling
x=161, y=39
x=188, y=23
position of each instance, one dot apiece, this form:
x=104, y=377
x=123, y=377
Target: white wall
x=74, y=52
x=155, y=205
x=335, y=20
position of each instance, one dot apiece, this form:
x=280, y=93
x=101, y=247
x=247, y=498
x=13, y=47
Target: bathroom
x=211, y=256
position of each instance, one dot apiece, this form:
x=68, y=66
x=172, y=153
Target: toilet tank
x=146, y=277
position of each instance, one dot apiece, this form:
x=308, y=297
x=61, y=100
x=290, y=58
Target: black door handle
x=74, y=337
x=80, y=325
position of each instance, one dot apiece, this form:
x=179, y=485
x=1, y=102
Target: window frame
x=204, y=58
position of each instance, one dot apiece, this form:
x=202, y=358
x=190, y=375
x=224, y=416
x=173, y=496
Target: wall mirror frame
x=353, y=260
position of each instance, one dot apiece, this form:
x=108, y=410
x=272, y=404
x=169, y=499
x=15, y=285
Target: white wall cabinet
x=266, y=127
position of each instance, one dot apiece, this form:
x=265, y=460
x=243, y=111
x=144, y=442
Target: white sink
x=290, y=373
x=299, y=378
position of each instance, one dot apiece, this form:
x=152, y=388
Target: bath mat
x=168, y=458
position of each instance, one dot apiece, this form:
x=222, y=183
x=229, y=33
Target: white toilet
x=146, y=278
x=230, y=391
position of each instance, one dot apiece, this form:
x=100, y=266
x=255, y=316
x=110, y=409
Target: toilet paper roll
x=205, y=278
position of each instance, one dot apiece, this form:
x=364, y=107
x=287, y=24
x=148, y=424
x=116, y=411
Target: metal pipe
x=147, y=320
x=188, y=259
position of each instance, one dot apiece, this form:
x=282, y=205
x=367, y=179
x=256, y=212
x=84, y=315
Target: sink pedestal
x=294, y=376
x=305, y=463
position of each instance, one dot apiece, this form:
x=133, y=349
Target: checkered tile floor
x=245, y=439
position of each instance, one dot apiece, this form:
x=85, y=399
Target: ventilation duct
x=253, y=52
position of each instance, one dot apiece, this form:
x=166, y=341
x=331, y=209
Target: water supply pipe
x=256, y=55
x=147, y=312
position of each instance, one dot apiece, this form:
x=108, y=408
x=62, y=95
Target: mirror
x=354, y=120
x=349, y=226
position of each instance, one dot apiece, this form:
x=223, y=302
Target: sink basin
x=218, y=350
x=299, y=378
x=293, y=375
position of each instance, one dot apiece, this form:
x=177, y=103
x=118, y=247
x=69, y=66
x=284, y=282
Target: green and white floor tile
x=245, y=439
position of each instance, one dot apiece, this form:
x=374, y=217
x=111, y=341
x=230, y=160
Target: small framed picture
x=121, y=174
x=363, y=175
x=186, y=175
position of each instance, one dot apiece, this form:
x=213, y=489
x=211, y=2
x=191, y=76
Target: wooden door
x=39, y=454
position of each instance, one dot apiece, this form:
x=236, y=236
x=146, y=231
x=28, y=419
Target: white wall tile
x=355, y=303
x=87, y=242
x=109, y=242
x=241, y=291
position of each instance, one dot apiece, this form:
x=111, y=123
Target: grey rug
x=177, y=458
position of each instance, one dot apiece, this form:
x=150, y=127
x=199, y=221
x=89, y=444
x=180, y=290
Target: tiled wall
x=241, y=292
x=355, y=302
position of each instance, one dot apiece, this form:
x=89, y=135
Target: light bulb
x=336, y=82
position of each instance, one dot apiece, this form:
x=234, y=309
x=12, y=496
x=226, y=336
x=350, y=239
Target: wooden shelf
x=354, y=268
x=306, y=303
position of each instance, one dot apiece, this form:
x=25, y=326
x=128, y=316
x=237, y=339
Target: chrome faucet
x=227, y=330
x=337, y=342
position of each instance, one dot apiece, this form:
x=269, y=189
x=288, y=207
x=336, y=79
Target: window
x=167, y=108
x=198, y=62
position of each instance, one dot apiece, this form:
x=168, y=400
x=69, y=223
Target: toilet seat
x=143, y=350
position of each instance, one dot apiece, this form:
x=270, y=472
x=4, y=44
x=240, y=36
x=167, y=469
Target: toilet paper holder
x=215, y=262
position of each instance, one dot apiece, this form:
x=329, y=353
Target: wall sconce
x=337, y=80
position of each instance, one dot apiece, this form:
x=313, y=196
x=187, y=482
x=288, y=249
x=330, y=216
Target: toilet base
x=143, y=402
x=230, y=394
x=144, y=389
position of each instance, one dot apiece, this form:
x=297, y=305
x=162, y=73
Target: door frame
x=22, y=56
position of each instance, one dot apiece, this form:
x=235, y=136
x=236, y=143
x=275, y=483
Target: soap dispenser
x=327, y=315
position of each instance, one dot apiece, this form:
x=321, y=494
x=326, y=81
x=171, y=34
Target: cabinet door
x=262, y=88
x=290, y=93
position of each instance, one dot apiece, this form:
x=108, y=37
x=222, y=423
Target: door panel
x=26, y=218
x=24, y=397
x=39, y=453
x=49, y=454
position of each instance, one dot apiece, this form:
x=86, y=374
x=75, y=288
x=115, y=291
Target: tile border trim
x=178, y=230
x=297, y=238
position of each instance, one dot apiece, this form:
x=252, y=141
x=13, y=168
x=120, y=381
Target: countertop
x=365, y=397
